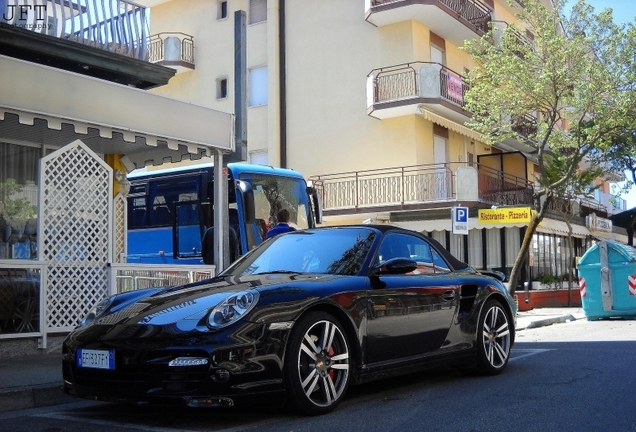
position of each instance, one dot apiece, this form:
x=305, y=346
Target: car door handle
x=448, y=295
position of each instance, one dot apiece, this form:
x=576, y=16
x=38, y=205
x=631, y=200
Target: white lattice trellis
x=75, y=222
x=119, y=220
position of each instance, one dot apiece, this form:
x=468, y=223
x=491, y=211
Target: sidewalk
x=30, y=381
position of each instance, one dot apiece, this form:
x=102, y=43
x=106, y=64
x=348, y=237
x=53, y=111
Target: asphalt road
x=576, y=376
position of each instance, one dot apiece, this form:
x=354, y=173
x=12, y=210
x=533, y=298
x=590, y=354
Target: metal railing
x=503, y=189
x=403, y=82
x=526, y=126
x=118, y=26
x=387, y=186
x=476, y=13
x=129, y=277
x=181, y=47
x=515, y=42
x=416, y=184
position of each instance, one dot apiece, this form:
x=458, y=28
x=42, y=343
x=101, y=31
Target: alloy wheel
x=496, y=336
x=323, y=363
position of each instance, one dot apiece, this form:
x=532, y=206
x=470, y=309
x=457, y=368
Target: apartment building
x=366, y=98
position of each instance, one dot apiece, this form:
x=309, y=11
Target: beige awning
x=445, y=225
x=552, y=226
x=449, y=124
x=46, y=105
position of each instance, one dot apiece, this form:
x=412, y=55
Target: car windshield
x=339, y=251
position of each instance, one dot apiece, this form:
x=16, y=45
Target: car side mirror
x=396, y=266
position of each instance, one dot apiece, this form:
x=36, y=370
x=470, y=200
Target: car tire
x=493, y=339
x=317, y=364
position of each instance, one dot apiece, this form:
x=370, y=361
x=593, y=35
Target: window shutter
x=258, y=11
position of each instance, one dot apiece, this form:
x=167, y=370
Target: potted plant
x=14, y=212
x=548, y=281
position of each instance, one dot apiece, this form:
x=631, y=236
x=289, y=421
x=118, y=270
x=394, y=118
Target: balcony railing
x=515, y=42
x=412, y=185
x=118, y=26
x=418, y=80
x=172, y=49
x=526, y=126
x=503, y=189
x=472, y=12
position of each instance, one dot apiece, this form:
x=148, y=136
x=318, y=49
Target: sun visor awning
x=445, y=225
x=449, y=124
x=51, y=106
x=551, y=226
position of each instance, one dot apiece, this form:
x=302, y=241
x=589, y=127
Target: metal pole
x=221, y=242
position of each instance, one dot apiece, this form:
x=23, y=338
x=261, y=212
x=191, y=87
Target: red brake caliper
x=330, y=353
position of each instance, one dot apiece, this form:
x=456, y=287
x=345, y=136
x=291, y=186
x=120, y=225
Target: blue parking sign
x=460, y=220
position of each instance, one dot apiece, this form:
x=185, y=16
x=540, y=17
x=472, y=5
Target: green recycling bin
x=607, y=281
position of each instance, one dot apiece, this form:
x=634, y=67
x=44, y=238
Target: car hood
x=192, y=302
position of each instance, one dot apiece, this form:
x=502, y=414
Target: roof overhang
x=45, y=105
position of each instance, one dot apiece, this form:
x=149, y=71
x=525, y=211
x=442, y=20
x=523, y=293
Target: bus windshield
x=271, y=194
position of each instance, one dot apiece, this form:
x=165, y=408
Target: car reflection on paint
x=296, y=321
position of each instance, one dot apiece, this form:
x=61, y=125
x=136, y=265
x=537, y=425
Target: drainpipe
x=281, y=83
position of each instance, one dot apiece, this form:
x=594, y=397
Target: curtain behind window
x=258, y=86
x=19, y=163
x=475, y=249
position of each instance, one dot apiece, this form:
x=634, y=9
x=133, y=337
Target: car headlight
x=97, y=310
x=232, y=309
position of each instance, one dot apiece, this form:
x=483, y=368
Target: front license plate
x=96, y=359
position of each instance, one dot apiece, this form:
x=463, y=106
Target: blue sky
x=623, y=10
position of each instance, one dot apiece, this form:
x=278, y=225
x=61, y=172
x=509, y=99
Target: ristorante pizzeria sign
x=508, y=215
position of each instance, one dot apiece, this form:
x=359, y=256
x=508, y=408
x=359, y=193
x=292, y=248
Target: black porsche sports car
x=296, y=320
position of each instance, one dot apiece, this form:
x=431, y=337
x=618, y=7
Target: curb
x=33, y=397
x=550, y=321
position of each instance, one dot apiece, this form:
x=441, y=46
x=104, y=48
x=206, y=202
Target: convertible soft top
x=454, y=262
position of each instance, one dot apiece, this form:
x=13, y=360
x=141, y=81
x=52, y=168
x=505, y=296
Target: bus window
x=188, y=231
x=271, y=194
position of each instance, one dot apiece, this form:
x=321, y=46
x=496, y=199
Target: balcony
x=400, y=90
x=453, y=20
x=174, y=50
x=107, y=39
x=416, y=187
x=503, y=189
x=505, y=35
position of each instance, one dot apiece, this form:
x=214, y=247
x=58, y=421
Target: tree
x=572, y=70
x=621, y=156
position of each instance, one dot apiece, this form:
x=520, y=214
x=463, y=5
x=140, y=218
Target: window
x=411, y=247
x=221, y=88
x=221, y=12
x=258, y=11
x=258, y=86
x=259, y=157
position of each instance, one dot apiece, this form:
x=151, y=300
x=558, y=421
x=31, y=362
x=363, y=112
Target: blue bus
x=169, y=211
